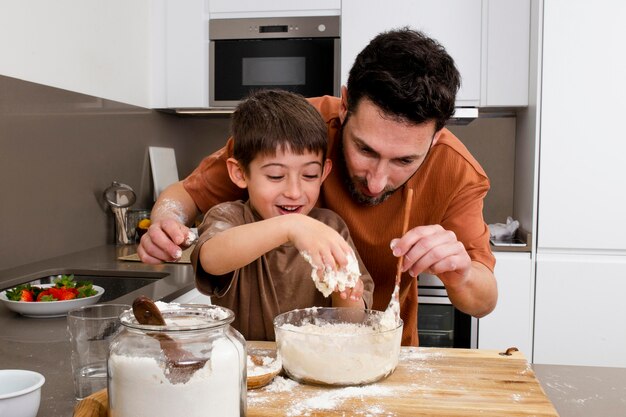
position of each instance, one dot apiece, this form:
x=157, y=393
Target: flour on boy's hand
x=341, y=279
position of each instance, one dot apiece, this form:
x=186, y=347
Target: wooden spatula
x=181, y=364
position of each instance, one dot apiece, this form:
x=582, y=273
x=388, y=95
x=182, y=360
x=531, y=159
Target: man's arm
x=172, y=212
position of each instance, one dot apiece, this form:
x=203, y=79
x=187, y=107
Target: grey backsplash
x=59, y=150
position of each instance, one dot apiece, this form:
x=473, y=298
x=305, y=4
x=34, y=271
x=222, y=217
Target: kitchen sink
x=114, y=284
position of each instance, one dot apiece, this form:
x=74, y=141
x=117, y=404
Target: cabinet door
x=582, y=180
x=272, y=8
x=506, y=42
x=510, y=324
x=456, y=24
x=579, y=310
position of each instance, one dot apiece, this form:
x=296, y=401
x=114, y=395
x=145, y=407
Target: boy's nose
x=293, y=189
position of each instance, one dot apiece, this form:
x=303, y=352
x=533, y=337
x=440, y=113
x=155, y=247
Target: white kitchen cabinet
x=98, y=48
x=510, y=324
x=582, y=180
x=488, y=39
x=579, y=310
x=225, y=9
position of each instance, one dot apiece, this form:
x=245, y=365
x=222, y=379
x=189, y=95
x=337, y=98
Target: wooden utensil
x=180, y=364
x=261, y=380
x=394, y=303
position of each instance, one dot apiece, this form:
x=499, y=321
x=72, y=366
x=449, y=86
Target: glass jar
x=193, y=366
x=135, y=228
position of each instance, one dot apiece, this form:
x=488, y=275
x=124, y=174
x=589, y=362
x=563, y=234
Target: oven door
x=439, y=323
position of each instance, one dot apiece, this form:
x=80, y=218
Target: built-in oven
x=299, y=54
x=439, y=323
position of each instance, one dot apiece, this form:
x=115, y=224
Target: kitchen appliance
x=299, y=54
x=439, y=323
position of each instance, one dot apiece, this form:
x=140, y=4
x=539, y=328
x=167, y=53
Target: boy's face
x=282, y=184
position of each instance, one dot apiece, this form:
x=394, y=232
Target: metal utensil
x=120, y=196
x=180, y=363
x=394, y=303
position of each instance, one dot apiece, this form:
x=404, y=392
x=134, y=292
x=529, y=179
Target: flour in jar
x=140, y=388
x=343, y=278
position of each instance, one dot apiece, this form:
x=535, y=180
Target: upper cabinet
x=101, y=48
x=154, y=53
x=489, y=41
x=272, y=8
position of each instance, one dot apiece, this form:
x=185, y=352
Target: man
x=386, y=134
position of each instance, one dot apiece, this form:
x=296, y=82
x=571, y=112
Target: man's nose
x=377, y=179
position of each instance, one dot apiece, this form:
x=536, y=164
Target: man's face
x=381, y=153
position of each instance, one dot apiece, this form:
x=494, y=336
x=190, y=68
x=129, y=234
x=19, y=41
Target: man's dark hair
x=270, y=119
x=408, y=75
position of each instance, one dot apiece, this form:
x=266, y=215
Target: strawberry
x=26, y=295
x=45, y=295
x=67, y=294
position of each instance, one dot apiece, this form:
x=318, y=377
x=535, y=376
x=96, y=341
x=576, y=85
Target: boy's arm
x=238, y=246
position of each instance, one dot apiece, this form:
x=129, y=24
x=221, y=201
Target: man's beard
x=352, y=182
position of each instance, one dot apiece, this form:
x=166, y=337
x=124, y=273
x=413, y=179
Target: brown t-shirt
x=449, y=189
x=277, y=282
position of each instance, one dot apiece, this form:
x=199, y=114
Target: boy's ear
x=236, y=173
x=328, y=166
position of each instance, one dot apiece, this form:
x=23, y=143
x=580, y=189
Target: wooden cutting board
x=427, y=382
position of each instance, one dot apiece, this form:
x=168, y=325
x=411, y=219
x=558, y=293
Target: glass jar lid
x=183, y=317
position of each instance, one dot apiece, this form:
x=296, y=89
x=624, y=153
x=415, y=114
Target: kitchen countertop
x=42, y=344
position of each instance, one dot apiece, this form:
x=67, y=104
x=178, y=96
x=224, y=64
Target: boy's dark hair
x=267, y=120
x=408, y=75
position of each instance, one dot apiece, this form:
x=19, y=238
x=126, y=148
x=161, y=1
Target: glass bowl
x=336, y=346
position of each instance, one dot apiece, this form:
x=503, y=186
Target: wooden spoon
x=180, y=364
x=261, y=380
x=394, y=303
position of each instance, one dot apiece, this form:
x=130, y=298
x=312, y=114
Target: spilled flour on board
x=299, y=404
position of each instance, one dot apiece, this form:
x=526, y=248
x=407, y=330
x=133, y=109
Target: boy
x=249, y=257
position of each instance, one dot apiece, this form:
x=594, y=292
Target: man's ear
x=343, y=109
x=236, y=173
x=328, y=166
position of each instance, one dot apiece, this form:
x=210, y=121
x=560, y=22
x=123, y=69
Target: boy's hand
x=353, y=294
x=326, y=247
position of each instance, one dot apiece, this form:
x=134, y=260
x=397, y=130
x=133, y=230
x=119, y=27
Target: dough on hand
x=340, y=279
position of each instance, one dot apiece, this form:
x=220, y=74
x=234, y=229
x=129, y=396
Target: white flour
x=268, y=365
x=390, y=319
x=341, y=279
x=139, y=387
x=339, y=353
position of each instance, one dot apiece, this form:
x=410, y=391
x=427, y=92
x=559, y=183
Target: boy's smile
x=284, y=183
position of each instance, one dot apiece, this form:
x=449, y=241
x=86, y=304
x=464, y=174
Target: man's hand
x=471, y=286
x=434, y=250
x=164, y=241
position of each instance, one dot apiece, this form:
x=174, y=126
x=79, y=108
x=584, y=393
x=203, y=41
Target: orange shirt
x=449, y=189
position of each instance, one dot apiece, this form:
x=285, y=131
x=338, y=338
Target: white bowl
x=49, y=308
x=20, y=392
x=336, y=346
